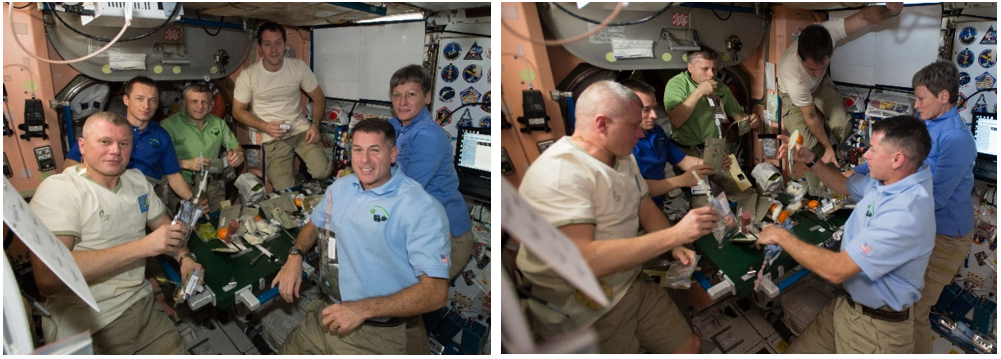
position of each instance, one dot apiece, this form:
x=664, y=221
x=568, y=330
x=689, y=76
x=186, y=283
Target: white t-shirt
x=567, y=185
x=795, y=80
x=274, y=96
x=71, y=203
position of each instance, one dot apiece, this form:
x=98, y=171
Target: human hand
x=687, y=179
x=683, y=254
x=313, y=134
x=800, y=153
x=754, y=120
x=894, y=8
x=706, y=88
x=195, y=164
x=168, y=239
x=829, y=156
x=289, y=278
x=234, y=157
x=188, y=267
x=697, y=223
x=342, y=317
x=274, y=129
x=770, y=235
x=726, y=162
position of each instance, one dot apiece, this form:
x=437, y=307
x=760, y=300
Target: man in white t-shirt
x=271, y=87
x=807, y=91
x=99, y=210
x=590, y=188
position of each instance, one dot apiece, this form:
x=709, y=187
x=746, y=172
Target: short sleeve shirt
x=890, y=236
x=190, y=142
x=274, y=96
x=566, y=186
x=72, y=204
x=386, y=237
x=794, y=79
x=700, y=125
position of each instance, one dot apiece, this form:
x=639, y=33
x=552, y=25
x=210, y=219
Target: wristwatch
x=811, y=163
x=185, y=256
x=295, y=251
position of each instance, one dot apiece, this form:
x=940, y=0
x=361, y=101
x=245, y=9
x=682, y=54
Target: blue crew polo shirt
x=653, y=152
x=386, y=236
x=426, y=156
x=152, y=152
x=952, y=157
x=890, y=236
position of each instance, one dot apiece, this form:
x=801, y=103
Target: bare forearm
x=662, y=186
x=427, y=295
x=249, y=119
x=828, y=265
x=680, y=114
x=93, y=264
x=831, y=177
x=306, y=238
x=180, y=187
x=610, y=256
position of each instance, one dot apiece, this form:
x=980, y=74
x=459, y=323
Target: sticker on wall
x=987, y=58
x=472, y=73
x=475, y=52
x=443, y=116
x=981, y=105
x=447, y=94
x=452, y=50
x=679, y=19
x=965, y=58
x=990, y=37
x=962, y=101
x=488, y=51
x=968, y=35
x=466, y=120
x=486, y=101
x=450, y=73
x=964, y=79
x=489, y=71
x=469, y=95
x=485, y=122
x=985, y=81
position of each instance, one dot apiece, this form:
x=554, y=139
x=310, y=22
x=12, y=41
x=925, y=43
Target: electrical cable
x=960, y=104
x=602, y=25
x=198, y=14
x=10, y=20
x=177, y=8
x=449, y=117
x=730, y=13
x=25, y=6
x=625, y=23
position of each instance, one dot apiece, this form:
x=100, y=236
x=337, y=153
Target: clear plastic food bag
x=679, y=276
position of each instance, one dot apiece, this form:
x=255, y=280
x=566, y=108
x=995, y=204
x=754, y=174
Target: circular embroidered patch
x=968, y=35
x=472, y=73
x=452, y=50
x=449, y=73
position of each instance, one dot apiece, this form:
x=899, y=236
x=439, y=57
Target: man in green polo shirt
x=198, y=138
x=688, y=109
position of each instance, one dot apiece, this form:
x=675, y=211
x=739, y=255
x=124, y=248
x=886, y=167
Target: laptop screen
x=985, y=132
x=472, y=152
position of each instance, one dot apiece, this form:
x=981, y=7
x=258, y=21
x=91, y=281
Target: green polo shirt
x=700, y=126
x=189, y=141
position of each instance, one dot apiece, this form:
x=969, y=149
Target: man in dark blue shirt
x=655, y=150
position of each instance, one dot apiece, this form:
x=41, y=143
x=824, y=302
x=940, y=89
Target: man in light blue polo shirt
x=885, y=248
x=392, y=246
x=952, y=156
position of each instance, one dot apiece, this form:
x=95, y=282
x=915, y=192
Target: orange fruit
x=799, y=139
x=298, y=202
x=813, y=204
x=783, y=216
x=222, y=232
x=257, y=217
x=772, y=208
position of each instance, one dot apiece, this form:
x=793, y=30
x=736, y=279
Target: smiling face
x=649, y=112
x=197, y=105
x=272, y=50
x=408, y=101
x=105, y=148
x=372, y=158
x=142, y=103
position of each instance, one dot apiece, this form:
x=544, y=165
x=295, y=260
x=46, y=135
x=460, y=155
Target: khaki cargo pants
x=142, y=329
x=281, y=157
x=946, y=258
x=831, y=104
x=313, y=338
x=842, y=329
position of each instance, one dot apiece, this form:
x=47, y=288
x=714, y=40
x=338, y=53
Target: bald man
x=590, y=188
x=98, y=209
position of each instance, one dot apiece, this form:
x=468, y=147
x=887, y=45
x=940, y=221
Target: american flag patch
x=866, y=248
x=444, y=259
